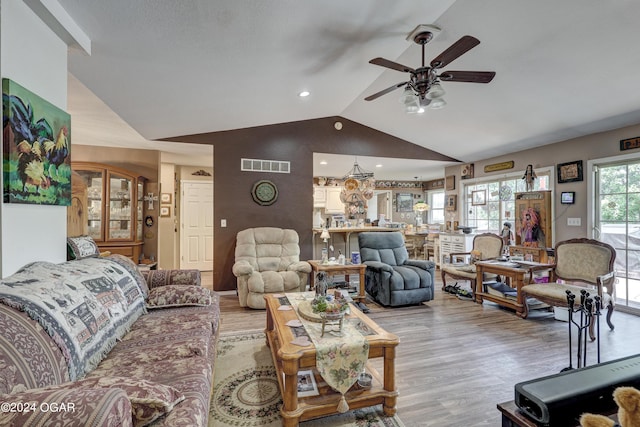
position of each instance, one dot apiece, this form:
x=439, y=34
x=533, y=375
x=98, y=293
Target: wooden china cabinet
x=113, y=201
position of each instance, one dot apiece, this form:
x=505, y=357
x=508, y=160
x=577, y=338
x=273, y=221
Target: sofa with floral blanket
x=93, y=342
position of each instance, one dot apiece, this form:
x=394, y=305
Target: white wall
x=34, y=57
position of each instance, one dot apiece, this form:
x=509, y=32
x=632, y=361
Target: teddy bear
x=628, y=401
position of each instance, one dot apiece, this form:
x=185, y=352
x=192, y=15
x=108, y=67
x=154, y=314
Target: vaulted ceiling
x=166, y=68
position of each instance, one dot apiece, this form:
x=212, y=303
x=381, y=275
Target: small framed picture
x=570, y=172
x=466, y=171
x=404, y=202
x=479, y=197
x=165, y=198
x=450, y=182
x=451, y=202
x=165, y=211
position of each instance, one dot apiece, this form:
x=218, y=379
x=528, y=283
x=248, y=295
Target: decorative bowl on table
x=330, y=306
x=332, y=316
x=365, y=380
x=331, y=310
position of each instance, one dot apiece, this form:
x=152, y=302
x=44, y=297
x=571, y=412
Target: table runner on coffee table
x=339, y=359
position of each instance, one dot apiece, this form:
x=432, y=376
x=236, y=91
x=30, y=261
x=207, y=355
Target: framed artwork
x=404, y=202
x=570, y=172
x=467, y=171
x=450, y=182
x=451, y=202
x=165, y=198
x=479, y=197
x=36, y=150
x=165, y=211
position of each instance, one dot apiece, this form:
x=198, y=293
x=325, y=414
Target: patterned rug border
x=228, y=334
x=364, y=417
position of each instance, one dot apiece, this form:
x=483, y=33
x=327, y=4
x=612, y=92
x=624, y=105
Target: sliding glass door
x=617, y=222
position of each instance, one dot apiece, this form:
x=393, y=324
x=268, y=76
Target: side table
x=516, y=274
x=339, y=269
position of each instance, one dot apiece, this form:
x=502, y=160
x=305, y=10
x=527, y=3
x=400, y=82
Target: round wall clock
x=264, y=192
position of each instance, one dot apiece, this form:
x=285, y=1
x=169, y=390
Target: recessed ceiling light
x=378, y=165
x=304, y=93
x=323, y=162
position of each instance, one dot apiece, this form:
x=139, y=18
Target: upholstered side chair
x=486, y=246
x=579, y=264
x=267, y=261
x=391, y=278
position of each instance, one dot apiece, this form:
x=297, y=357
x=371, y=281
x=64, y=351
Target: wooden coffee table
x=289, y=359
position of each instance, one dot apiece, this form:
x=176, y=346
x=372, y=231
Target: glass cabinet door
x=140, y=214
x=120, y=214
x=93, y=181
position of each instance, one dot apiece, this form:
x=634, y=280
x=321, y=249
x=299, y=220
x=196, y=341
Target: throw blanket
x=339, y=359
x=85, y=306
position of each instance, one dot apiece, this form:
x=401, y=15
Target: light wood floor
x=458, y=359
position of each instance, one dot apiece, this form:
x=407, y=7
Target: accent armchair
x=579, y=264
x=267, y=261
x=486, y=246
x=391, y=278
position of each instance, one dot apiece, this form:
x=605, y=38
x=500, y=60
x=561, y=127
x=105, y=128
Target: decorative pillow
x=157, y=278
x=132, y=268
x=82, y=247
x=149, y=400
x=178, y=295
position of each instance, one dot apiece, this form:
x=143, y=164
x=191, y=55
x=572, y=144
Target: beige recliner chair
x=268, y=261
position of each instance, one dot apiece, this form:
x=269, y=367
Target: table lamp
x=325, y=236
x=419, y=208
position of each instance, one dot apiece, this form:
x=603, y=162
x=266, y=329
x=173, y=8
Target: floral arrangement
x=330, y=304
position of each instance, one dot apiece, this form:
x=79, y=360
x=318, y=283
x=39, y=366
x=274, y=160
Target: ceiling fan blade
x=384, y=92
x=390, y=64
x=467, y=76
x=465, y=44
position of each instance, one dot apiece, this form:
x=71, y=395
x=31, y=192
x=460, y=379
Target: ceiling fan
x=423, y=86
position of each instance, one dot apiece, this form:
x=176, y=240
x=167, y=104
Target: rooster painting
x=36, y=148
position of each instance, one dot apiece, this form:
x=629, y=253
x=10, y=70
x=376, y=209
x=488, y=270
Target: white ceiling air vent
x=258, y=165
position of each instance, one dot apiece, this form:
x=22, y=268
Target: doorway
x=617, y=222
x=383, y=200
x=196, y=242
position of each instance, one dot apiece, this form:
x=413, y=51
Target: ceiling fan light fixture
x=436, y=91
x=408, y=97
x=437, y=104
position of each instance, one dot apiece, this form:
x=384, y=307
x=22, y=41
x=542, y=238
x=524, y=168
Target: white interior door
x=196, y=244
x=383, y=204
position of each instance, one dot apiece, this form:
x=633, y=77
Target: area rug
x=246, y=393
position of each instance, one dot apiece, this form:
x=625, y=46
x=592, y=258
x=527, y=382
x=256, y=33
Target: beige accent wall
x=167, y=228
x=595, y=146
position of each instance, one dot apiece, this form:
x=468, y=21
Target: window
x=436, y=207
x=497, y=202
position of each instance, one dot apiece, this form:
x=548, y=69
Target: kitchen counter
x=346, y=236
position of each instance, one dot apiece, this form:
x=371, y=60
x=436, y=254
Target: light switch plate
x=223, y=223
x=574, y=222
